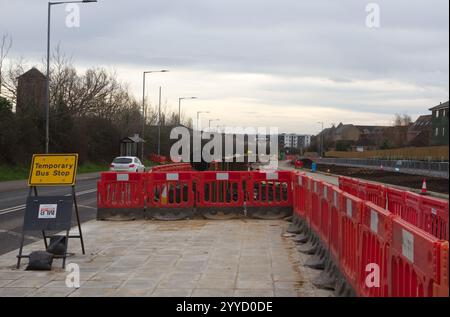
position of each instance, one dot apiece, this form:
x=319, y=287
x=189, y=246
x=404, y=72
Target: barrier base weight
x=169, y=214
x=269, y=212
x=122, y=214
x=220, y=213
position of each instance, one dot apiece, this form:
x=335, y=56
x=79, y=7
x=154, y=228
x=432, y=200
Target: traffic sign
x=53, y=170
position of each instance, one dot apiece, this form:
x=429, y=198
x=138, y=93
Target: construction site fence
x=361, y=236
x=430, y=153
x=438, y=169
x=360, y=224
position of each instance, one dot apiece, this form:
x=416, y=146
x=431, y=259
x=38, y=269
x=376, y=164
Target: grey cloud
x=318, y=38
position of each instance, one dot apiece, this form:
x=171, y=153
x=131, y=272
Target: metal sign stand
x=33, y=189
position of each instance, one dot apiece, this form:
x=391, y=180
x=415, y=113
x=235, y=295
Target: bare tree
x=401, y=120
x=5, y=46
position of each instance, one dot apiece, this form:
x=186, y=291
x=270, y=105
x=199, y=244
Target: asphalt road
x=12, y=206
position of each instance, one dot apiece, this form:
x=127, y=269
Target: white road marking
x=20, y=207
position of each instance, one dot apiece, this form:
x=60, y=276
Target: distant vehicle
x=126, y=164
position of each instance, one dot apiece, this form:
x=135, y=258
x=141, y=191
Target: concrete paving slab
x=241, y=257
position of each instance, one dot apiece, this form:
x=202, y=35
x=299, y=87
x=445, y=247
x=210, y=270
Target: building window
x=443, y=131
x=437, y=132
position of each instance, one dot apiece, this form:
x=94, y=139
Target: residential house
x=419, y=133
x=439, y=124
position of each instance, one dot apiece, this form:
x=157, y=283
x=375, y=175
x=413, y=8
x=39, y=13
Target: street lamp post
x=198, y=117
x=47, y=92
x=143, y=104
x=179, y=106
x=321, y=139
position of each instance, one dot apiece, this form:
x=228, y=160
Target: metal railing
x=425, y=168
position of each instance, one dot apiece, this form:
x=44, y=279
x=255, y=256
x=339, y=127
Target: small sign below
x=53, y=170
x=47, y=211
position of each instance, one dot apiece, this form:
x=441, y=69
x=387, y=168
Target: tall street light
x=198, y=117
x=321, y=139
x=209, y=124
x=47, y=93
x=179, y=106
x=143, y=104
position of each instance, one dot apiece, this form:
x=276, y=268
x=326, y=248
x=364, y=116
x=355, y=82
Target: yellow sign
x=53, y=169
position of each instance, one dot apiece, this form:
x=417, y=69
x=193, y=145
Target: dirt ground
x=439, y=185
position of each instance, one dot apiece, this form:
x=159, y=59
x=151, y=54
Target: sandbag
x=57, y=245
x=40, y=261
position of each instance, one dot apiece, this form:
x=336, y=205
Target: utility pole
x=321, y=139
x=159, y=123
x=144, y=109
x=47, y=91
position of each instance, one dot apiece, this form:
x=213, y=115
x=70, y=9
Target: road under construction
x=253, y=233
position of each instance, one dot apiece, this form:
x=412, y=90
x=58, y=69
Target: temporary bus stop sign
x=53, y=170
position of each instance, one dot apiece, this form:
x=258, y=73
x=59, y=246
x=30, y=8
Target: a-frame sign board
x=51, y=213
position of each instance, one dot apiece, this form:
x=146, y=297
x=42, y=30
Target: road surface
x=12, y=206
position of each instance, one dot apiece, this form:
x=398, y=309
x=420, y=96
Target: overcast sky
x=283, y=63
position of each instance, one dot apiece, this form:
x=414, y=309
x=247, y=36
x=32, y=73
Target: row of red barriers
x=428, y=213
x=365, y=241
x=266, y=195
x=176, y=167
x=155, y=158
x=180, y=167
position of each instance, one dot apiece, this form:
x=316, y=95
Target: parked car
x=126, y=164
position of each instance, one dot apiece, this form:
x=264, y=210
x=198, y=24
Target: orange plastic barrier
x=374, y=251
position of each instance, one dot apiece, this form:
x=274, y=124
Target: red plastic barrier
x=411, y=211
x=442, y=289
x=315, y=205
x=177, y=167
x=120, y=190
x=335, y=221
x=325, y=212
x=374, y=193
x=221, y=189
x=374, y=249
x=416, y=262
x=299, y=194
x=434, y=217
x=170, y=190
x=307, y=181
x=349, y=185
x=270, y=189
x=395, y=200
x=158, y=158
x=348, y=248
